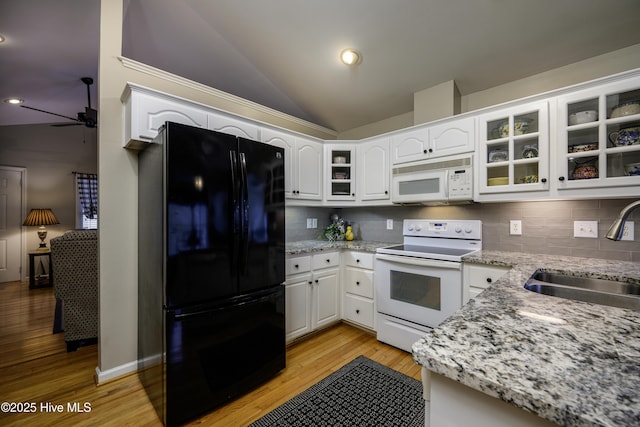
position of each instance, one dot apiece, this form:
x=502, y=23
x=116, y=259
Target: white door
x=10, y=223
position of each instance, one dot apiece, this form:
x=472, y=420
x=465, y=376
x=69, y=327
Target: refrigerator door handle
x=236, y=214
x=245, y=214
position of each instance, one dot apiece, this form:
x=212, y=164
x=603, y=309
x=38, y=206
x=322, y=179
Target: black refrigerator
x=211, y=266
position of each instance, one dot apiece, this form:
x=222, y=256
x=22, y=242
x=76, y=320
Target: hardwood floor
x=36, y=370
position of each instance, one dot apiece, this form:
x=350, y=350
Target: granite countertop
x=310, y=246
x=573, y=363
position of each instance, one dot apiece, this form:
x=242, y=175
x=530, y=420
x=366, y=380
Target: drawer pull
x=328, y=260
x=358, y=283
x=296, y=266
x=357, y=260
x=489, y=280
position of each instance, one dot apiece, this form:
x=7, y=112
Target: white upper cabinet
x=452, y=137
x=288, y=143
x=307, y=183
x=513, y=150
x=232, y=126
x=340, y=172
x=373, y=167
x=427, y=142
x=302, y=164
x=599, y=140
x=410, y=145
x=146, y=113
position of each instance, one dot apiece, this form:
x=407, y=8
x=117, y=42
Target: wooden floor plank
x=35, y=367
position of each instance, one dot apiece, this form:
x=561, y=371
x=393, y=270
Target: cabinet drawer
x=359, y=259
x=325, y=260
x=482, y=276
x=300, y=264
x=359, y=310
x=359, y=282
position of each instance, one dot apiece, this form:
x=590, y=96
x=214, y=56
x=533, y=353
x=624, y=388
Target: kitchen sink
x=599, y=291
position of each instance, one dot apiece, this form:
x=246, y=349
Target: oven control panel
x=452, y=229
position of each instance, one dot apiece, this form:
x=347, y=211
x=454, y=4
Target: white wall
x=579, y=72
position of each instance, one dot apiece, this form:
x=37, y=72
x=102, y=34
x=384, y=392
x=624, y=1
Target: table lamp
x=41, y=217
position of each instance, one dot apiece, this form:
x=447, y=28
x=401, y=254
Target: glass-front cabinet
x=340, y=175
x=599, y=137
x=513, y=151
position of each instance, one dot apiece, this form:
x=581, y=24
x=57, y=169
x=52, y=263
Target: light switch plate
x=587, y=229
x=389, y=224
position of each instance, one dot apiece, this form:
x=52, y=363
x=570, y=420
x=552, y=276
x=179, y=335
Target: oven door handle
x=420, y=262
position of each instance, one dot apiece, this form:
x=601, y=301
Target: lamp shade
x=41, y=217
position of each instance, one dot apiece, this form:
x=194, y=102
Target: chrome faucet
x=617, y=228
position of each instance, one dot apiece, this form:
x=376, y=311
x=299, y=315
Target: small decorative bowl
x=579, y=148
x=529, y=179
x=503, y=180
x=626, y=109
x=632, y=169
x=498, y=155
x=340, y=175
x=341, y=160
x=583, y=117
x=625, y=136
x=521, y=126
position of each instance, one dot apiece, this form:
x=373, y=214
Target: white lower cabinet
x=358, y=289
x=312, y=293
x=476, y=278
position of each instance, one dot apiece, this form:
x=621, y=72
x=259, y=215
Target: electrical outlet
x=587, y=229
x=515, y=227
x=389, y=224
x=312, y=222
x=628, y=232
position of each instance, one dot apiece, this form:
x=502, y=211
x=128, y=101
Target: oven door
x=418, y=290
x=418, y=186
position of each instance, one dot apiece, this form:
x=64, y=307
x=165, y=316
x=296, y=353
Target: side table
x=43, y=278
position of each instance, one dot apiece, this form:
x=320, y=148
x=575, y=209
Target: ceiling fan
x=89, y=117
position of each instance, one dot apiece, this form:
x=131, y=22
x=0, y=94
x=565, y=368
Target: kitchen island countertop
x=310, y=246
x=570, y=362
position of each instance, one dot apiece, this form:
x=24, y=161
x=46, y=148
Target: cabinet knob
x=357, y=283
x=296, y=266
x=353, y=194
x=489, y=280
x=357, y=311
x=544, y=180
x=316, y=280
x=328, y=260
x=310, y=282
x=561, y=178
x=431, y=150
x=424, y=151
x=386, y=192
x=357, y=260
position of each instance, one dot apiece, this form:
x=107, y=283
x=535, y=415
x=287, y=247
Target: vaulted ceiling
x=284, y=53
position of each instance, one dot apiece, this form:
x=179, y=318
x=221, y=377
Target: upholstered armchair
x=75, y=282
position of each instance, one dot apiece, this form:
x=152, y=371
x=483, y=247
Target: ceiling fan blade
x=49, y=112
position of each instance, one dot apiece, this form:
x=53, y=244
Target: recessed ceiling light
x=351, y=57
x=14, y=101
x=2, y=38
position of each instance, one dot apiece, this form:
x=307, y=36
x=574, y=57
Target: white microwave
x=439, y=181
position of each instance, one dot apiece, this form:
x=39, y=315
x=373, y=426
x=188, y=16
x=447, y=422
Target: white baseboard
x=118, y=371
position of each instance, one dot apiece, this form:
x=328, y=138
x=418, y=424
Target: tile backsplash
x=547, y=226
